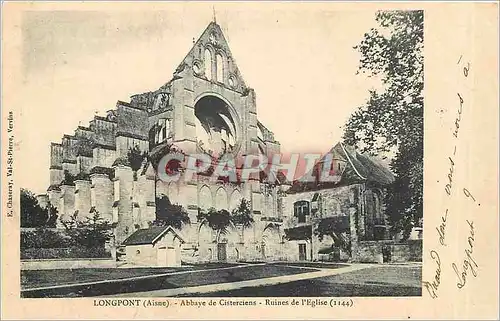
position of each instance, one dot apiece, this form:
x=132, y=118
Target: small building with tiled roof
x=346, y=167
x=154, y=247
x=349, y=204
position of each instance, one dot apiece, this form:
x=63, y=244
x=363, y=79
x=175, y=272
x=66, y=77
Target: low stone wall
x=410, y=251
x=70, y=253
x=388, y=252
x=369, y=252
x=57, y=264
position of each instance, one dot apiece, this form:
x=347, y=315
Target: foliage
x=82, y=176
x=91, y=232
x=221, y=220
x=217, y=220
x=392, y=119
x=33, y=215
x=44, y=238
x=331, y=226
x=158, y=152
x=336, y=228
x=73, y=252
x=242, y=214
x=103, y=170
x=302, y=232
x=135, y=158
x=84, y=146
x=69, y=179
x=52, y=220
x=170, y=214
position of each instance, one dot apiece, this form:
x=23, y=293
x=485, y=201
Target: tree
x=44, y=238
x=52, y=213
x=217, y=220
x=91, y=232
x=71, y=224
x=96, y=231
x=221, y=220
x=33, y=215
x=135, y=158
x=170, y=214
x=392, y=118
x=336, y=228
x=242, y=215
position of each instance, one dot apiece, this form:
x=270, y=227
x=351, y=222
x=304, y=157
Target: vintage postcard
x=249, y=160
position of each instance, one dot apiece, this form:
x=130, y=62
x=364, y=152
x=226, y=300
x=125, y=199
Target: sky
x=299, y=59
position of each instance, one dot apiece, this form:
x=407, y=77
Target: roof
x=360, y=168
x=367, y=167
x=221, y=44
x=150, y=235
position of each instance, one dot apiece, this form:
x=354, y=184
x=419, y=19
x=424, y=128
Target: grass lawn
x=377, y=281
x=43, y=278
x=382, y=275
x=315, y=288
x=319, y=265
x=212, y=276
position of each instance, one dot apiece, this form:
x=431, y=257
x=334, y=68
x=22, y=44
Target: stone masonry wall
x=103, y=157
x=56, y=156
x=389, y=251
x=104, y=131
x=67, y=203
x=82, y=199
x=84, y=164
x=102, y=195
x=124, y=177
x=143, y=198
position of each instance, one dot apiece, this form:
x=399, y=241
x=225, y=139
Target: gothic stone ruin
x=207, y=107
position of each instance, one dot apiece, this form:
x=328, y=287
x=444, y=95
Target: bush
x=69, y=179
x=79, y=239
x=91, y=232
x=170, y=214
x=44, y=238
x=33, y=215
x=64, y=253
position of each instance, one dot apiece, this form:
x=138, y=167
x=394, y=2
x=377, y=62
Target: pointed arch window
x=164, y=130
x=208, y=64
x=220, y=68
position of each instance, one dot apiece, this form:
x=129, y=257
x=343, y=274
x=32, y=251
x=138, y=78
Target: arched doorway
x=227, y=241
x=271, y=243
x=206, y=240
x=222, y=250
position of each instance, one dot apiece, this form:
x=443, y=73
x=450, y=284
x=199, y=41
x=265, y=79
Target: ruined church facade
x=206, y=107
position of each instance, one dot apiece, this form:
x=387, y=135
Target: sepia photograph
x=190, y=160
x=192, y=183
